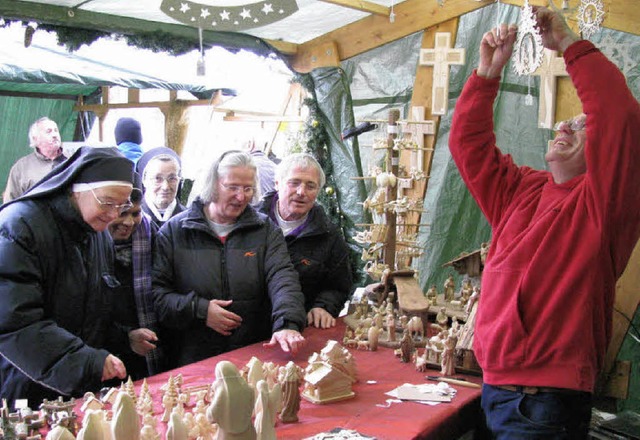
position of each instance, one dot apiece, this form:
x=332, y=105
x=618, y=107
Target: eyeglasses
x=159, y=179
x=237, y=189
x=575, y=124
x=294, y=184
x=110, y=206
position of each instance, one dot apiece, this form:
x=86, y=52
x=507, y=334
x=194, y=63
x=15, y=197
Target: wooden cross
x=552, y=66
x=418, y=127
x=441, y=57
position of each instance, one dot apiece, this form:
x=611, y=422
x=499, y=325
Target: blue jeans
x=545, y=415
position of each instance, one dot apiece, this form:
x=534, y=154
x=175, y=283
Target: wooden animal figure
x=125, y=424
x=232, y=404
x=415, y=326
x=268, y=404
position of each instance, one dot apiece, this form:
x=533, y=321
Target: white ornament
x=590, y=17
x=528, y=49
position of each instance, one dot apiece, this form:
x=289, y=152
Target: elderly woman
x=222, y=277
x=56, y=278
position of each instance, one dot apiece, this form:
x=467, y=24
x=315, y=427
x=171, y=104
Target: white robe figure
x=232, y=404
x=91, y=427
x=177, y=430
x=125, y=424
x=60, y=433
x=267, y=406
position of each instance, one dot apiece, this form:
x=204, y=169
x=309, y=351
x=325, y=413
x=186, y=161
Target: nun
x=56, y=279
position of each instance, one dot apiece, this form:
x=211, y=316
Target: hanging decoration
x=590, y=17
x=528, y=48
x=200, y=67
x=228, y=18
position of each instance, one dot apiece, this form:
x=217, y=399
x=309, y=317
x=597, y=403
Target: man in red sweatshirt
x=560, y=241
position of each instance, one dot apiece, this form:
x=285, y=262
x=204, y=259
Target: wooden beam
x=416, y=15
x=361, y=5
x=321, y=55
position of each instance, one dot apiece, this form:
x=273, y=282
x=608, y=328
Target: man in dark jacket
x=222, y=277
x=317, y=248
x=56, y=279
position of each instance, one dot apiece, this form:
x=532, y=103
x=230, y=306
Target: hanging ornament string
x=392, y=15
x=200, y=68
x=528, y=99
x=498, y=18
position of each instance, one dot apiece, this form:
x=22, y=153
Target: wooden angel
x=267, y=405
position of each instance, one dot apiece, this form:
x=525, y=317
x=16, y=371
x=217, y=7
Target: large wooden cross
x=441, y=57
x=552, y=67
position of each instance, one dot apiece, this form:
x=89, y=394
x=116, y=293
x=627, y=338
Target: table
x=407, y=420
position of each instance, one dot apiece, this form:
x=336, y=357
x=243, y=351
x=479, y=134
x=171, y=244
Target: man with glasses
x=56, y=279
x=160, y=171
x=560, y=241
x=317, y=248
x=222, y=277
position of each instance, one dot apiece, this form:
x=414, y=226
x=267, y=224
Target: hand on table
x=290, y=341
x=320, y=318
x=221, y=319
x=141, y=340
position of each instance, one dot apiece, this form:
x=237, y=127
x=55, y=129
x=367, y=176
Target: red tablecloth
x=399, y=421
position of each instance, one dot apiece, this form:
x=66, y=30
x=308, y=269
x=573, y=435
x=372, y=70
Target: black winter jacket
x=55, y=279
x=192, y=266
x=321, y=257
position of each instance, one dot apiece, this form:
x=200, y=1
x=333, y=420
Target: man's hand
x=495, y=50
x=141, y=340
x=290, y=341
x=113, y=367
x=320, y=318
x=556, y=34
x=221, y=319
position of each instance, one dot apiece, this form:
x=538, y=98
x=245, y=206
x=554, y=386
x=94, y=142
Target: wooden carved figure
x=406, y=347
x=267, y=406
x=415, y=327
x=176, y=429
x=432, y=295
x=59, y=433
x=255, y=372
x=232, y=404
x=442, y=319
x=391, y=327
x=448, y=362
x=373, y=336
x=449, y=288
x=125, y=424
x=91, y=427
x=290, y=393
x=207, y=431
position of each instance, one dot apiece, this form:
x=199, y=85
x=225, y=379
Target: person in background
x=317, y=248
x=128, y=135
x=266, y=168
x=56, y=279
x=222, y=277
x=44, y=138
x=133, y=235
x=561, y=238
x=160, y=171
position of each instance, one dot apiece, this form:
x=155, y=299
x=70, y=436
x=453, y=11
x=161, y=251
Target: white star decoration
x=228, y=18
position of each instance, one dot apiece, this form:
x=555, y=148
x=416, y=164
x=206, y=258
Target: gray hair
x=34, y=129
x=299, y=160
x=220, y=167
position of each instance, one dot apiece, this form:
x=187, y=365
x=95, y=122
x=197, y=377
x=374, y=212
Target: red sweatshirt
x=548, y=287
